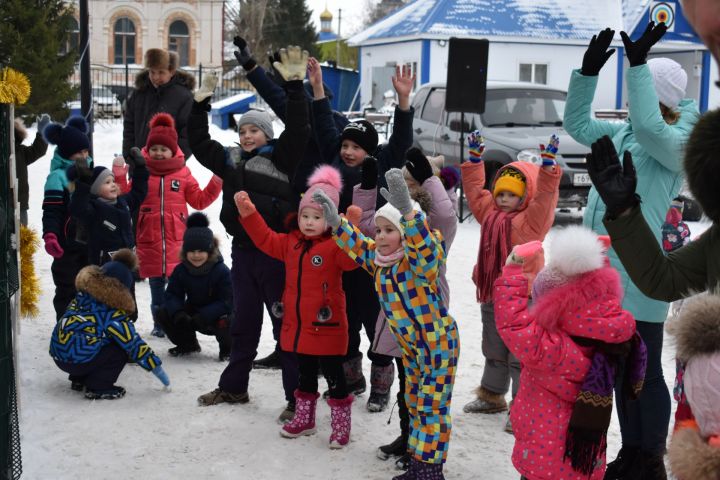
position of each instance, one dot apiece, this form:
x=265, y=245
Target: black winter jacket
x=175, y=98
x=24, y=156
x=264, y=173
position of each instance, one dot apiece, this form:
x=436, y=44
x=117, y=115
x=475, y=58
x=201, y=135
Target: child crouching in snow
x=94, y=338
x=314, y=319
x=404, y=259
x=570, y=343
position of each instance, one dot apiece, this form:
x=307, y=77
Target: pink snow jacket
x=537, y=209
x=161, y=220
x=553, y=365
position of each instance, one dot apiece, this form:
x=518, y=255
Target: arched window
x=73, y=37
x=124, y=36
x=179, y=41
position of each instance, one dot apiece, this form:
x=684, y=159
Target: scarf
x=161, y=168
x=203, y=269
x=587, y=432
x=390, y=259
x=495, y=246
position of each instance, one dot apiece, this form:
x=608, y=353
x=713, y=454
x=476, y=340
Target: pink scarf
x=390, y=259
x=495, y=246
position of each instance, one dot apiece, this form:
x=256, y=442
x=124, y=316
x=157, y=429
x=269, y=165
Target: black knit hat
x=71, y=138
x=198, y=235
x=363, y=133
x=121, y=267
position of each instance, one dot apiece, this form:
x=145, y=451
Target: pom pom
x=162, y=120
x=197, y=219
x=52, y=132
x=79, y=123
x=575, y=250
x=126, y=257
x=328, y=175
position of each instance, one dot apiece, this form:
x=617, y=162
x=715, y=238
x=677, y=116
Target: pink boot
x=303, y=422
x=340, y=420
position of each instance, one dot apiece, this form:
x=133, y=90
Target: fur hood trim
x=691, y=458
x=702, y=169
x=187, y=80
x=422, y=197
x=575, y=250
x=20, y=131
x=107, y=290
x=554, y=307
x=697, y=328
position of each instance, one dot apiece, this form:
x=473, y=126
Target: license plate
x=581, y=179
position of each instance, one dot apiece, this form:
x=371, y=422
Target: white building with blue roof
x=539, y=41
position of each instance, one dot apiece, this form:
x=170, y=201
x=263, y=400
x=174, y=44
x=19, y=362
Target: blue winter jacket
x=657, y=152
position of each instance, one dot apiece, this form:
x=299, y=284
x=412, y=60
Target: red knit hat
x=162, y=132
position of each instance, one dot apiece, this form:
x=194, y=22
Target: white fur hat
x=574, y=250
x=670, y=81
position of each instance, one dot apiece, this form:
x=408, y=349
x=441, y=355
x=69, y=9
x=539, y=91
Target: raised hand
x=43, y=121
x=369, y=173
x=293, y=63
x=315, y=77
x=243, y=55
x=137, y=157
x=329, y=209
x=418, y=165
x=354, y=214
x=476, y=146
x=597, y=53
x=210, y=81
x=615, y=184
x=637, y=52
x=397, y=193
x=521, y=253
x=244, y=204
x=549, y=152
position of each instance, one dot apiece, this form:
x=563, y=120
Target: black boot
x=396, y=448
x=648, y=466
x=354, y=377
x=271, y=362
x=618, y=468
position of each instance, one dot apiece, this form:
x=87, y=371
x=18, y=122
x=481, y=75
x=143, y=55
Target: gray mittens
x=329, y=209
x=398, y=195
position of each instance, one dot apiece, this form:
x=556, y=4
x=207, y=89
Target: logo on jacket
x=316, y=260
x=175, y=185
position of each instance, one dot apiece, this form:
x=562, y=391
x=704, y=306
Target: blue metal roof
x=326, y=36
x=566, y=21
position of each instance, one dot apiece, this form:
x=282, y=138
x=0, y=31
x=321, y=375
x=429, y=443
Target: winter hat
x=702, y=169
x=163, y=132
x=363, y=133
x=670, y=81
x=98, y=178
x=71, y=138
x=573, y=250
x=198, y=235
x=393, y=215
x=449, y=176
x=697, y=331
x=121, y=267
x=260, y=119
x=159, y=58
x=327, y=179
x=510, y=180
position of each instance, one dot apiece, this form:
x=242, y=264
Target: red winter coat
x=553, y=365
x=161, y=220
x=313, y=280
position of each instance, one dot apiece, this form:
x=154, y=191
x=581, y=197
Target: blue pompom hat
x=71, y=138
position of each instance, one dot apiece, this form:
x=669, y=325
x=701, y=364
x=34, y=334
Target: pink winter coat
x=553, y=365
x=161, y=220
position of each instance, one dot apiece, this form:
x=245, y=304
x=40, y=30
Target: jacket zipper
x=162, y=221
x=297, y=302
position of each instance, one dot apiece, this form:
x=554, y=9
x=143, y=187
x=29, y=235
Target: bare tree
x=378, y=10
x=247, y=18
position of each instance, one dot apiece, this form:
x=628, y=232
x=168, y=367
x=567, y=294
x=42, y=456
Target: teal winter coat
x=657, y=151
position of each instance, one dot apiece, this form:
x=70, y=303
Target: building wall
x=152, y=19
x=385, y=56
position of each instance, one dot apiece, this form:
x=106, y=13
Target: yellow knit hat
x=510, y=180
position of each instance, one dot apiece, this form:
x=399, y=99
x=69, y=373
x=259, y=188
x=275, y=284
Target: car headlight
x=530, y=155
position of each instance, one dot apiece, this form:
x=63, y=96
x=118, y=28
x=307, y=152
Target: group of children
x=557, y=329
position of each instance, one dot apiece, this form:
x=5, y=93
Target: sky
x=353, y=13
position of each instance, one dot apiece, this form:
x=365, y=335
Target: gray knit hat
x=98, y=178
x=260, y=119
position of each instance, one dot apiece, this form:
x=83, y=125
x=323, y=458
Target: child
x=106, y=214
x=262, y=167
x=355, y=142
x=404, y=259
x=518, y=207
x=199, y=293
x=675, y=232
x=95, y=337
x=570, y=342
x=24, y=156
x=161, y=221
x=421, y=174
x=694, y=451
x=314, y=323
x=64, y=239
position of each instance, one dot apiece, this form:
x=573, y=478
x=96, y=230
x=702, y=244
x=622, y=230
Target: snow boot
x=221, y=396
x=287, y=414
x=486, y=402
x=303, y=422
x=396, y=448
x=340, y=421
x=403, y=462
x=157, y=331
x=271, y=362
x=181, y=350
x=381, y=379
x=354, y=378
x=111, y=393
x=410, y=471
x=646, y=466
x=618, y=468
x=428, y=471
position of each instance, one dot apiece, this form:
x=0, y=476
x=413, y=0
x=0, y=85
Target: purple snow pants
x=257, y=280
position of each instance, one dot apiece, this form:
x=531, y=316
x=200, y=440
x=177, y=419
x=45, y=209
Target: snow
x=158, y=435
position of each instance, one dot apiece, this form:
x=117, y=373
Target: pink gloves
x=522, y=253
x=52, y=246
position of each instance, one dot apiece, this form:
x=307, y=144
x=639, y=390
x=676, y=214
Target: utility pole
x=337, y=41
x=85, y=82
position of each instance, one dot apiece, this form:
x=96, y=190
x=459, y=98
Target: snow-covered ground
x=155, y=434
